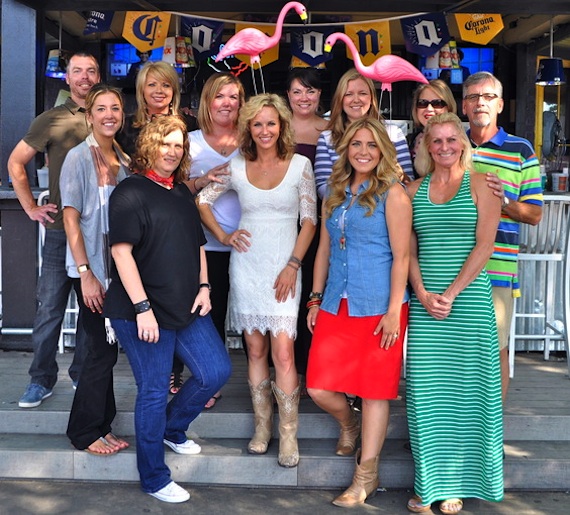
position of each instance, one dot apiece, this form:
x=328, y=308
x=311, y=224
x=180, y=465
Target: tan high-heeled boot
x=262, y=400
x=349, y=433
x=364, y=483
x=288, y=424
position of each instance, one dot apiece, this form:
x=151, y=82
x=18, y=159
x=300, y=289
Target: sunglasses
x=436, y=103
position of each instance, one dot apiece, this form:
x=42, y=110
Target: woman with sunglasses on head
x=429, y=100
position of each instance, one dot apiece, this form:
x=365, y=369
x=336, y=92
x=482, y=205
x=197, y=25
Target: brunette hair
x=285, y=142
x=211, y=88
x=424, y=162
x=441, y=89
x=387, y=172
x=164, y=72
x=152, y=137
x=339, y=120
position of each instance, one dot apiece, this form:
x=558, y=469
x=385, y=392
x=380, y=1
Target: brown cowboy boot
x=364, y=483
x=288, y=423
x=349, y=433
x=262, y=401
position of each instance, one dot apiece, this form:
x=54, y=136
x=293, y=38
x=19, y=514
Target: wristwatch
x=506, y=202
x=83, y=268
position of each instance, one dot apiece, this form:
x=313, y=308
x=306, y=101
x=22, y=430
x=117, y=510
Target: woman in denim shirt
x=359, y=317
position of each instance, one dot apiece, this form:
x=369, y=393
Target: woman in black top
x=159, y=300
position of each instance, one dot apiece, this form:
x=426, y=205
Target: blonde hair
x=424, y=162
x=151, y=139
x=339, y=120
x=211, y=88
x=164, y=72
x=441, y=89
x=387, y=172
x=285, y=142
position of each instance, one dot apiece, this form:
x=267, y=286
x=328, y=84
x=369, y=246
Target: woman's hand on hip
x=238, y=240
x=147, y=327
x=202, y=301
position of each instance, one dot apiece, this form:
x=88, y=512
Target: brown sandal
x=416, y=505
x=451, y=502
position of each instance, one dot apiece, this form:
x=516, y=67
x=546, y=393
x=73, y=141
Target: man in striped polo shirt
x=514, y=161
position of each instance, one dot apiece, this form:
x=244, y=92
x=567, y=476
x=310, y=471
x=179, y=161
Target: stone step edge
x=528, y=465
x=311, y=425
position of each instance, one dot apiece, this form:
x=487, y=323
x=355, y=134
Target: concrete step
x=536, y=465
x=215, y=424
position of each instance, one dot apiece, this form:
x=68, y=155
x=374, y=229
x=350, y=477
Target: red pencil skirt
x=345, y=355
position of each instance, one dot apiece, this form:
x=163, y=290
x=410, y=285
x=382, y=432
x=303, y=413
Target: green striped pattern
x=453, y=385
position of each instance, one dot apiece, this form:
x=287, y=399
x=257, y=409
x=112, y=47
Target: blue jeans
x=52, y=294
x=199, y=346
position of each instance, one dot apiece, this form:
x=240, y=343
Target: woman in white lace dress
x=276, y=188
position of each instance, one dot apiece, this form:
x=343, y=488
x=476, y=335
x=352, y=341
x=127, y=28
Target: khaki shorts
x=504, y=303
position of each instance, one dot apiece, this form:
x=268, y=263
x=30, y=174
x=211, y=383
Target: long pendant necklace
x=342, y=223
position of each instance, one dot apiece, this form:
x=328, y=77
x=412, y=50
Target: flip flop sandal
x=449, y=502
x=415, y=505
x=176, y=383
x=95, y=453
x=212, y=402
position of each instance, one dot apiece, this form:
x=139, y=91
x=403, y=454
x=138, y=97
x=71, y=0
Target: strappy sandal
x=416, y=505
x=451, y=502
x=176, y=383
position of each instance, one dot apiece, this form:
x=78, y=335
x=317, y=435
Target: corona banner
x=479, y=28
x=371, y=39
x=146, y=30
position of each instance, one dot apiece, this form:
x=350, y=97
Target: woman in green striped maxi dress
x=453, y=380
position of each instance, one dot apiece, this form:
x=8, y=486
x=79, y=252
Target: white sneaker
x=172, y=492
x=187, y=447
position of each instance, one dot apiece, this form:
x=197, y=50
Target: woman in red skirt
x=358, y=308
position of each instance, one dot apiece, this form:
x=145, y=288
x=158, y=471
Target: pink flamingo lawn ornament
x=252, y=42
x=386, y=69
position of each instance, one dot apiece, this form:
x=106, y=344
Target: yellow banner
x=371, y=40
x=267, y=56
x=479, y=28
x=146, y=30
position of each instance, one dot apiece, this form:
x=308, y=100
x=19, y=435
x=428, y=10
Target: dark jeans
x=199, y=347
x=93, y=408
x=219, y=277
x=52, y=294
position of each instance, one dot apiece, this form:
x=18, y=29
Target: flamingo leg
x=380, y=104
x=253, y=80
x=261, y=75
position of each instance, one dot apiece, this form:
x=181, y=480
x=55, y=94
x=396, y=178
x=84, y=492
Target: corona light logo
x=479, y=28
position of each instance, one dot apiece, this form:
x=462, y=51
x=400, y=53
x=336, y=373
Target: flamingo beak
x=327, y=48
x=303, y=16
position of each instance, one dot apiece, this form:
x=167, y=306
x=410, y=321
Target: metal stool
x=544, y=247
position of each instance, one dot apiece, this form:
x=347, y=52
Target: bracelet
x=314, y=303
x=206, y=285
x=196, y=189
x=142, y=307
x=316, y=295
x=295, y=260
x=296, y=268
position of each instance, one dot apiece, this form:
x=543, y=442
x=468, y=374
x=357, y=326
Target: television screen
x=123, y=60
x=471, y=60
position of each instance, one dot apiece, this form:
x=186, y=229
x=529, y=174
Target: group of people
x=233, y=209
